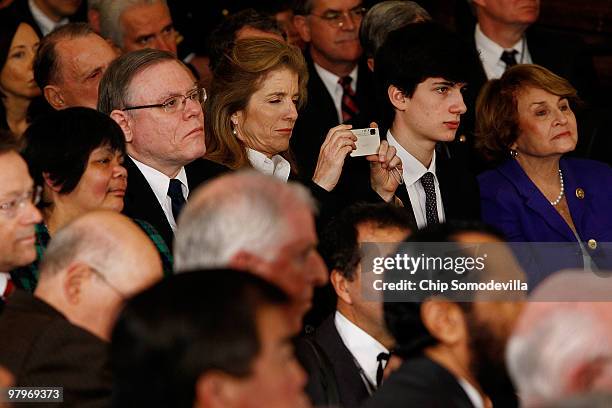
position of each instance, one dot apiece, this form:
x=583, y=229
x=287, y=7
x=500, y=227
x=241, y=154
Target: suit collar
x=534, y=198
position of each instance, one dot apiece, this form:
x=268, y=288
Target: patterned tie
x=379, y=371
x=431, y=205
x=509, y=58
x=349, y=102
x=175, y=192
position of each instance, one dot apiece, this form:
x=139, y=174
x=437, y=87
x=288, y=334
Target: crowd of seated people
x=174, y=235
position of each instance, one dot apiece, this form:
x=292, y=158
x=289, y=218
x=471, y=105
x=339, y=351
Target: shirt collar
x=276, y=166
x=472, y=393
x=159, y=182
x=45, y=23
x=330, y=80
x=362, y=346
x=413, y=169
x=491, y=51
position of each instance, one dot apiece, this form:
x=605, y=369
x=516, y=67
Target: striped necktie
x=349, y=101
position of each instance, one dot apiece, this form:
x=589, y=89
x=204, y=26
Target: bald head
x=93, y=265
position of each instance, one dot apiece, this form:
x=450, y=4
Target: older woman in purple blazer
x=525, y=122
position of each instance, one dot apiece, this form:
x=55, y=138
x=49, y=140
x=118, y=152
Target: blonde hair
x=497, y=119
x=238, y=76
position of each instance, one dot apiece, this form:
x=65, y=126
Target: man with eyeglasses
x=59, y=336
x=340, y=88
x=155, y=100
x=18, y=214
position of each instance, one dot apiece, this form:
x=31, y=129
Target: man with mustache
x=421, y=71
x=156, y=101
x=339, y=85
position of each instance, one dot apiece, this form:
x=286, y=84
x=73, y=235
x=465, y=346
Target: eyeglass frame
x=341, y=14
x=184, y=97
x=10, y=208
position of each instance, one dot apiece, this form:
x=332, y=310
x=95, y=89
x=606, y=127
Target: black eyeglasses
x=172, y=104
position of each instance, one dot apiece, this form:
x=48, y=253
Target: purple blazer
x=513, y=204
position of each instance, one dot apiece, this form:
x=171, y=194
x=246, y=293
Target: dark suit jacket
x=420, y=382
x=458, y=187
x=514, y=205
x=351, y=389
x=140, y=202
x=22, y=9
x=41, y=348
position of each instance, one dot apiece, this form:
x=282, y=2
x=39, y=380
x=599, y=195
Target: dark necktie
x=431, y=205
x=509, y=58
x=381, y=368
x=175, y=192
x=349, y=101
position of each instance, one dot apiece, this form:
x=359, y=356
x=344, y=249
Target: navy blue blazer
x=512, y=203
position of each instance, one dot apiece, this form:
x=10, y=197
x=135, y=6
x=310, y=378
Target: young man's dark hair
x=60, y=143
x=406, y=59
x=170, y=335
x=223, y=37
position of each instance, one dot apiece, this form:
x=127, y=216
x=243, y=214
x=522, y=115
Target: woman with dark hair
x=256, y=92
x=526, y=123
x=18, y=44
x=76, y=156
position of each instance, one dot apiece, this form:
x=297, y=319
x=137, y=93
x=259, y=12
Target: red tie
x=349, y=103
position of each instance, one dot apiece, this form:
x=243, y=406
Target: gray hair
x=115, y=84
x=540, y=359
x=385, y=17
x=241, y=211
x=110, y=17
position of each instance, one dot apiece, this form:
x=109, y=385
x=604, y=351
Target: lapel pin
x=580, y=193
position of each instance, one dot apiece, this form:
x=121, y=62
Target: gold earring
x=513, y=153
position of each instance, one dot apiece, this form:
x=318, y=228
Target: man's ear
x=75, y=276
x=53, y=95
x=481, y=3
x=49, y=183
x=340, y=284
x=370, y=62
x=444, y=320
x=123, y=120
x=397, y=97
x=215, y=389
x=247, y=261
x=302, y=27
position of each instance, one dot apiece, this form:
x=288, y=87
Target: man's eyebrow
x=167, y=27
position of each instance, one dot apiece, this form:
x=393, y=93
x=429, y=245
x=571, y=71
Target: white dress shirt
x=335, y=90
x=45, y=24
x=490, y=53
x=277, y=166
x=362, y=346
x=4, y=277
x=472, y=393
x=413, y=171
x=159, y=183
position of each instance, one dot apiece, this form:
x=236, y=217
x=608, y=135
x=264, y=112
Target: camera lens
x=372, y=132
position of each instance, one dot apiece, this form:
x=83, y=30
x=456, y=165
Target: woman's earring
x=235, y=133
x=513, y=153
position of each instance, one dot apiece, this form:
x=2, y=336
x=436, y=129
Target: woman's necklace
x=561, y=193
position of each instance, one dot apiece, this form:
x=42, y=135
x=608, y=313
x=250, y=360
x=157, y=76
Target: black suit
x=140, y=201
x=351, y=388
x=22, y=9
x=458, y=188
x=42, y=348
x=420, y=382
